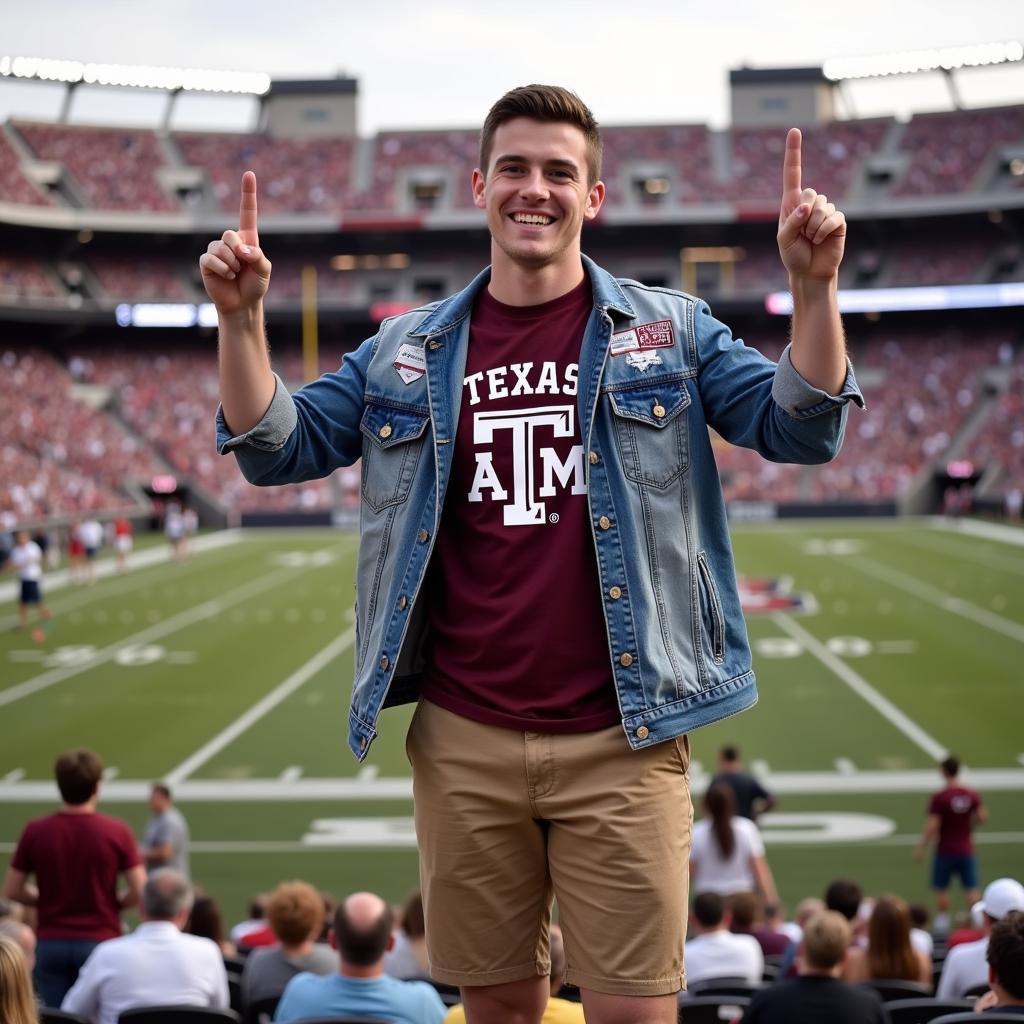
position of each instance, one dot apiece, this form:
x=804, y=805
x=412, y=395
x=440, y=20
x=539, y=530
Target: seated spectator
x=156, y=965
x=558, y=1011
x=295, y=913
x=23, y=935
x=965, y=966
x=206, y=922
x=408, y=958
x=715, y=952
x=844, y=897
x=17, y=1003
x=968, y=926
x=817, y=994
x=889, y=955
x=1005, y=966
x=748, y=919
x=254, y=923
x=920, y=938
x=362, y=929
x=727, y=854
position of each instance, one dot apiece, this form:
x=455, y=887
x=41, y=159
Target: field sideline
x=889, y=644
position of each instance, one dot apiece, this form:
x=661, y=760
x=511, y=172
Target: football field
x=879, y=646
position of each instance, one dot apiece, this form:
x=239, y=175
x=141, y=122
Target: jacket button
x=362, y=742
x=615, y=593
x=434, y=345
x=626, y=660
x=643, y=732
x=422, y=536
x=385, y=431
x=402, y=602
x=659, y=410
x=384, y=663
x=594, y=458
x=604, y=522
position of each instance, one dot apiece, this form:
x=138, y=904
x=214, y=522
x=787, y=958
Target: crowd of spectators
x=112, y=168
x=140, y=278
x=115, y=168
x=27, y=278
x=59, y=455
x=999, y=441
x=846, y=957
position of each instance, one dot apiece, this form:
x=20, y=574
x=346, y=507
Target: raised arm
x=812, y=236
x=236, y=276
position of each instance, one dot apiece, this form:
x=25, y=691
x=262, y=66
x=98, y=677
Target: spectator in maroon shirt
x=77, y=857
x=748, y=918
x=953, y=813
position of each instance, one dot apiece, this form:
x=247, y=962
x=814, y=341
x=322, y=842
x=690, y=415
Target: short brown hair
x=1006, y=953
x=826, y=938
x=547, y=103
x=78, y=774
x=294, y=912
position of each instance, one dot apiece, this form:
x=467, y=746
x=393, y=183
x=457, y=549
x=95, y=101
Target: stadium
x=883, y=590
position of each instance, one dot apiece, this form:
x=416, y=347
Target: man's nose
x=534, y=185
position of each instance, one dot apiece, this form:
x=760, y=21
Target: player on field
x=26, y=559
x=545, y=561
x=953, y=813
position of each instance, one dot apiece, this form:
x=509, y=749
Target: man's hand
x=236, y=274
x=812, y=232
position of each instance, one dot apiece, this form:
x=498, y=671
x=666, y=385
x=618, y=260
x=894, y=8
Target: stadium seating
x=924, y=1009
x=711, y=1009
x=14, y=186
x=111, y=168
x=25, y=278
x=178, y=1015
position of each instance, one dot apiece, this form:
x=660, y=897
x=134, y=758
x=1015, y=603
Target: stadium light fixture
x=908, y=62
x=139, y=76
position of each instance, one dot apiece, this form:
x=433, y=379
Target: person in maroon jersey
x=77, y=857
x=953, y=813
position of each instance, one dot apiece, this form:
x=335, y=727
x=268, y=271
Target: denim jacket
x=655, y=371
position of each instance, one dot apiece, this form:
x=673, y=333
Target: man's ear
x=478, y=189
x=595, y=199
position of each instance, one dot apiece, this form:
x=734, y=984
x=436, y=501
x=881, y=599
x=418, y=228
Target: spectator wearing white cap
x=966, y=965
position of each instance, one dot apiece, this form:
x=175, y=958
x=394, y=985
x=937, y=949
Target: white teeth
x=538, y=219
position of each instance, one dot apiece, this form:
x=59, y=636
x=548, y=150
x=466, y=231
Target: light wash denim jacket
x=677, y=642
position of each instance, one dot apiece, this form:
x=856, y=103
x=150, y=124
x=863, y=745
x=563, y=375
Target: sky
x=441, y=63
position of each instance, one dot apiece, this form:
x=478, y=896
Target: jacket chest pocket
x=651, y=431
x=392, y=444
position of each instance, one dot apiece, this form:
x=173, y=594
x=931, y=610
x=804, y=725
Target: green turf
x=209, y=638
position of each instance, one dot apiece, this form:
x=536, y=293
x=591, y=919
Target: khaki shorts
x=507, y=820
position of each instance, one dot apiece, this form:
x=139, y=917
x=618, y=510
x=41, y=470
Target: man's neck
x=354, y=971
x=819, y=972
x=516, y=285
x=89, y=807
x=300, y=950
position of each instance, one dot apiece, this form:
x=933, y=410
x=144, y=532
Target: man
x=752, y=798
x=295, y=912
x=953, y=813
x=91, y=532
x=155, y=965
x=536, y=466
x=817, y=994
x=716, y=952
x=77, y=857
x=123, y=541
x=362, y=930
x=1005, y=967
x=26, y=559
x=165, y=841
x=749, y=918
x=965, y=966
x=558, y=1011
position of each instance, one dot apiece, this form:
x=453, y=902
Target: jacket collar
x=608, y=296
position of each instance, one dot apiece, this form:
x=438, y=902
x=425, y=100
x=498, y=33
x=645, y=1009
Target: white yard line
x=309, y=789
x=187, y=618
x=862, y=688
x=957, y=546
x=980, y=528
x=938, y=597
x=280, y=693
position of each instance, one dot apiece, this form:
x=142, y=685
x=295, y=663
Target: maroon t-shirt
x=955, y=807
x=517, y=634
x=76, y=859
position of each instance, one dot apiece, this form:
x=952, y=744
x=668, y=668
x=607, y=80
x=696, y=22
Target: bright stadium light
x=138, y=76
x=908, y=62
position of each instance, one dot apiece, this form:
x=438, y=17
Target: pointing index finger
x=790, y=168
x=247, y=210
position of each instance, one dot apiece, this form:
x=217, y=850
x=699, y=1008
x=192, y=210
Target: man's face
x=536, y=192
x=157, y=802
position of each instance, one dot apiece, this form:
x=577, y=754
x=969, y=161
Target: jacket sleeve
x=306, y=435
x=769, y=407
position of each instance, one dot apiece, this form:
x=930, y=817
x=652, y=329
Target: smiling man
x=545, y=563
